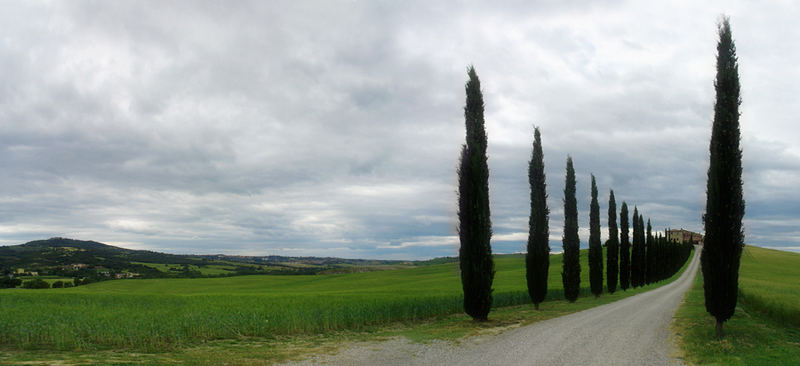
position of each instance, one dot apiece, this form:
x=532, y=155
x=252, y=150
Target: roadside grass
x=269, y=318
x=752, y=337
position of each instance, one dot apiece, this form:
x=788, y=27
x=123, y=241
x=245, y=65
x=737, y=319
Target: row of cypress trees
x=475, y=227
x=650, y=259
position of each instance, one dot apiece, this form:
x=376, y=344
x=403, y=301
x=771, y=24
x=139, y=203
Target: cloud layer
x=333, y=128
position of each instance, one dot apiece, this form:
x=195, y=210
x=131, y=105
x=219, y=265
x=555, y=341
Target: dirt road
x=632, y=331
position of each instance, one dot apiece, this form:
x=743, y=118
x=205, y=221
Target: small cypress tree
x=595, y=247
x=537, y=260
x=571, y=271
x=624, y=249
x=475, y=226
x=612, y=249
x=724, y=238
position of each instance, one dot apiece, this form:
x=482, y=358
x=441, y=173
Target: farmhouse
x=681, y=235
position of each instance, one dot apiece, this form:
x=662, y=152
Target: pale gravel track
x=631, y=331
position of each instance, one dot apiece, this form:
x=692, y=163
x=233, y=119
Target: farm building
x=681, y=235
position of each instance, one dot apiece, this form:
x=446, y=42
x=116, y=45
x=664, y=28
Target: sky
x=333, y=128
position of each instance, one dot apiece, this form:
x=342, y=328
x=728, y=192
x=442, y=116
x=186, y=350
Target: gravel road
x=632, y=331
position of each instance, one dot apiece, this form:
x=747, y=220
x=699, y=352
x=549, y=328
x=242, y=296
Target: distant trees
x=612, y=249
x=725, y=205
x=36, y=283
x=9, y=282
x=571, y=271
x=595, y=248
x=537, y=260
x=624, y=249
x=475, y=227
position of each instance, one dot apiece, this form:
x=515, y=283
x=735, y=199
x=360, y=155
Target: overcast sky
x=333, y=128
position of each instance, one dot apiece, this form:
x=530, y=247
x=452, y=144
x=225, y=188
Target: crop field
x=164, y=314
x=769, y=282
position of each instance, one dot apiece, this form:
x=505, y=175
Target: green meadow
x=155, y=315
x=161, y=314
x=764, y=330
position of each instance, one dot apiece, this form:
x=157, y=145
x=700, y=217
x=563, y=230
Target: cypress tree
x=595, y=248
x=624, y=249
x=537, y=261
x=612, y=249
x=724, y=238
x=475, y=226
x=649, y=255
x=636, y=259
x=571, y=271
x=642, y=252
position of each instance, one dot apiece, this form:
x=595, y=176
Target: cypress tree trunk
x=724, y=238
x=624, y=249
x=595, y=248
x=537, y=260
x=612, y=250
x=475, y=226
x=571, y=271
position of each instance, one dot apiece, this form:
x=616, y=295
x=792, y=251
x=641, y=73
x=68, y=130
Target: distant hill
x=97, y=261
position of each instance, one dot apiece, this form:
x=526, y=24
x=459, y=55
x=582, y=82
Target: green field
x=763, y=330
x=769, y=282
x=165, y=314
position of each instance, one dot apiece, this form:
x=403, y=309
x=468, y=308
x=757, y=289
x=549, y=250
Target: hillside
x=97, y=261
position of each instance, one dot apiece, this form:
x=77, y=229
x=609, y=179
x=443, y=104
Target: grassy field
x=763, y=331
x=168, y=314
x=769, y=282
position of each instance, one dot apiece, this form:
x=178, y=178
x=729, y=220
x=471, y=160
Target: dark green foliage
x=650, y=252
x=571, y=271
x=537, y=260
x=624, y=249
x=58, y=284
x=595, y=248
x=612, y=248
x=36, y=283
x=724, y=238
x=9, y=282
x=475, y=226
x=637, y=252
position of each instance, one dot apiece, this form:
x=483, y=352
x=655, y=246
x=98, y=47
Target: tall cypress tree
x=636, y=261
x=612, y=249
x=650, y=267
x=475, y=226
x=624, y=249
x=642, y=252
x=537, y=261
x=571, y=271
x=595, y=247
x=724, y=238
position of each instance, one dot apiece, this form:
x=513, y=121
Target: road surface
x=632, y=331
